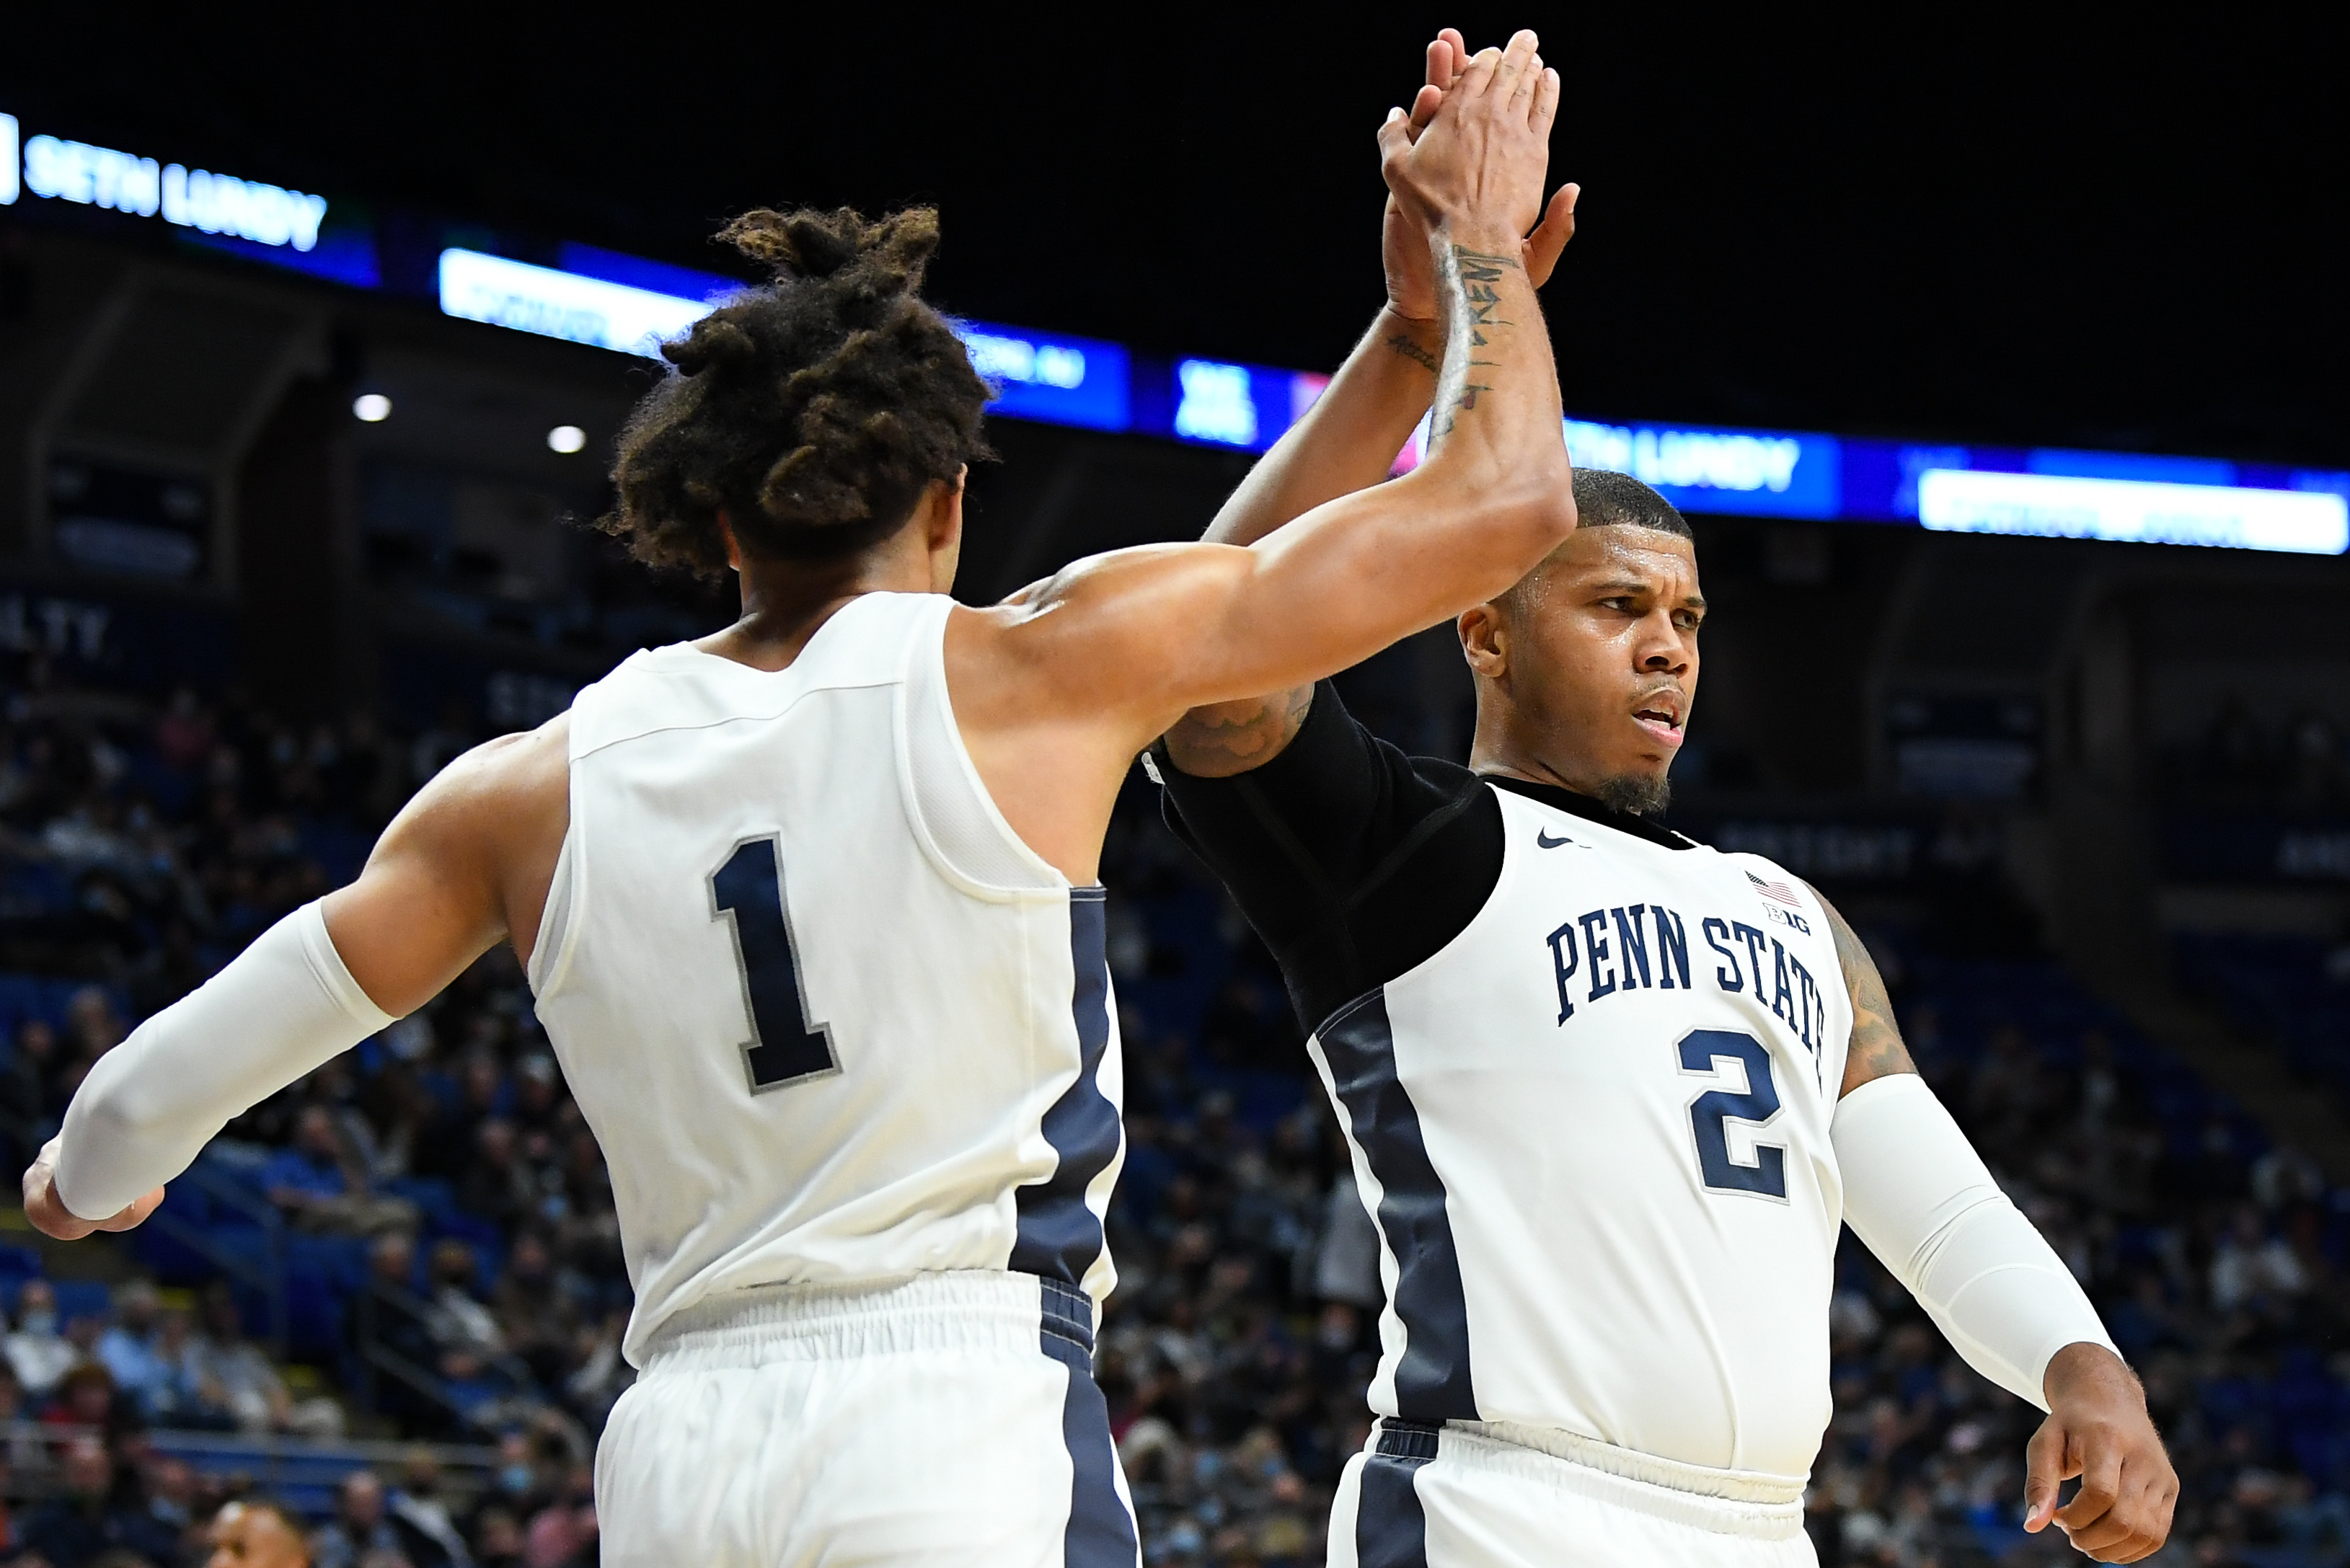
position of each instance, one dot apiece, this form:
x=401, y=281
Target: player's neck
x=1497, y=747
x=785, y=603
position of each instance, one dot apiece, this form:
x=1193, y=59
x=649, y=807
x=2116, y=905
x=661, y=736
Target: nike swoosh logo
x=1547, y=842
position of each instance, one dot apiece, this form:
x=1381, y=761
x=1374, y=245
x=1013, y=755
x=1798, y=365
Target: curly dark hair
x=812, y=411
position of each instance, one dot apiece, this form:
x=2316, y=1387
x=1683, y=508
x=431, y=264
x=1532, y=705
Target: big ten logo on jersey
x=1611, y=952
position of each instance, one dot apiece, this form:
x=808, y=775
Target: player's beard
x=1637, y=796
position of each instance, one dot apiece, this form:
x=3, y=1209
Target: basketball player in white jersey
x=809, y=906
x=1610, y=1094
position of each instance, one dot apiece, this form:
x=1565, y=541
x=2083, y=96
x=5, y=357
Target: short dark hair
x=1604, y=498
x=811, y=412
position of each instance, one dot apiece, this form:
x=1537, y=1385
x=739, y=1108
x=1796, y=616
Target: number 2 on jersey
x=785, y=1046
x=1711, y=1111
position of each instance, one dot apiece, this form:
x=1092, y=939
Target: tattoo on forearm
x=1407, y=349
x=1877, y=1049
x=1471, y=300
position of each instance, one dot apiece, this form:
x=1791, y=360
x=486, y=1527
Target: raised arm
x=1077, y=676
x=1347, y=441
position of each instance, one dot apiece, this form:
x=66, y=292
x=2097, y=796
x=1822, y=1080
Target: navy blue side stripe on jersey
x=1390, y=1526
x=1059, y=1238
x=1432, y=1379
x=1100, y=1532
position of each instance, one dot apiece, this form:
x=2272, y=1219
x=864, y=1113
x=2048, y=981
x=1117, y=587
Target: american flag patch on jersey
x=1778, y=892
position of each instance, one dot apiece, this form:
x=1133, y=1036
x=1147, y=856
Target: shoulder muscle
x=1877, y=1050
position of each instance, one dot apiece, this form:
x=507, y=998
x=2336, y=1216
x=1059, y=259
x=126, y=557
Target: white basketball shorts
x=1473, y=1494
x=950, y=1420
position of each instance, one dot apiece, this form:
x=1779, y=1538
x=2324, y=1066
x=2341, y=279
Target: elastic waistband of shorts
x=1737, y=1503
x=960, y=1310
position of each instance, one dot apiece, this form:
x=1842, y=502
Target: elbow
x=121, y=1110
x=1539, y=507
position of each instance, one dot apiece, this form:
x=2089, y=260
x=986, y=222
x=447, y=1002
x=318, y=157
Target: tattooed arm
x=1876, y=1050
x=1348, y=440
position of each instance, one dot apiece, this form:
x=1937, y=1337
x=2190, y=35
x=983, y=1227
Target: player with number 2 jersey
x=1609, y=1094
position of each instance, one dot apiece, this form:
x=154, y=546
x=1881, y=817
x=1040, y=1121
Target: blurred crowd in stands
x=454, y=1272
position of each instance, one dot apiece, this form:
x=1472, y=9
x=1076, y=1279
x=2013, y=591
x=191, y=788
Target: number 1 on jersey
x=785, y=1046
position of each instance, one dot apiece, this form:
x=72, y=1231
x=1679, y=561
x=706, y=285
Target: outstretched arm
x=1105, y=656
x=1918, y=1193
x=1348, y=440
x=468, y=859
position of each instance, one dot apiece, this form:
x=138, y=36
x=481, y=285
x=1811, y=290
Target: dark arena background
x=2001, y=370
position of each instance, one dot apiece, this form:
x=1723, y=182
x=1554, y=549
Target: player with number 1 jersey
x=810, y=906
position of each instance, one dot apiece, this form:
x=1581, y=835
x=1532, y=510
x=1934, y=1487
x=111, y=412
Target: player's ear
x=1485, y=640
x=734, y=546
x=942, y=526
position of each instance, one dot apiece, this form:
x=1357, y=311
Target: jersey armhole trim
x=559, y=922
x=931, y=650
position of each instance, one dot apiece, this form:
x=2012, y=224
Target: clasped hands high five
x=1468, y=160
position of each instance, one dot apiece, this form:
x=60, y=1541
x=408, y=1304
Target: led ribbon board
x=1749, y=473
x=1967, y=501
x=92, y=176
x=556, y=304
x=1041, y=376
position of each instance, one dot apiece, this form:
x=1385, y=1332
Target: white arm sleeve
x=281, y=1008
x=1917, y=1192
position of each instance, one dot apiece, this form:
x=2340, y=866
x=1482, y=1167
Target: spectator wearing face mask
x=126, y=1347
x=38, y=1353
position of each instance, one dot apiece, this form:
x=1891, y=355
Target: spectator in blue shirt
x=319, y=1189
x=127, y=1349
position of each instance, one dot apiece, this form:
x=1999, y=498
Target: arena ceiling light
x=566, y=439
x=373, y=408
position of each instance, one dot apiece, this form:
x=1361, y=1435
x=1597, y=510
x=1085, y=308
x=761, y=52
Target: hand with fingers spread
x=1410, y=274
x=2097, y=1428
x=49, y=1214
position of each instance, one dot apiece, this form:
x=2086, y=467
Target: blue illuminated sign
x=556, y=304
x=1059, y=380
x=1746, y=473
x=2141, y=511
x=631, y=305
x=90, y=176
x=652, y=276
x=1214, y=404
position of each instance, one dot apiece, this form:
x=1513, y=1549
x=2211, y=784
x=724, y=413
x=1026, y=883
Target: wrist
x=2086, y=1369
x=1429, y=330
x=1472, y=232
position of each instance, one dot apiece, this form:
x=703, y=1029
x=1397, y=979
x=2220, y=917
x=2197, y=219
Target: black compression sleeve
x=1353, y=861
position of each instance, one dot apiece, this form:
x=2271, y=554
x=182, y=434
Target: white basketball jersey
x=1594, y=1131
x=832, y=1022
